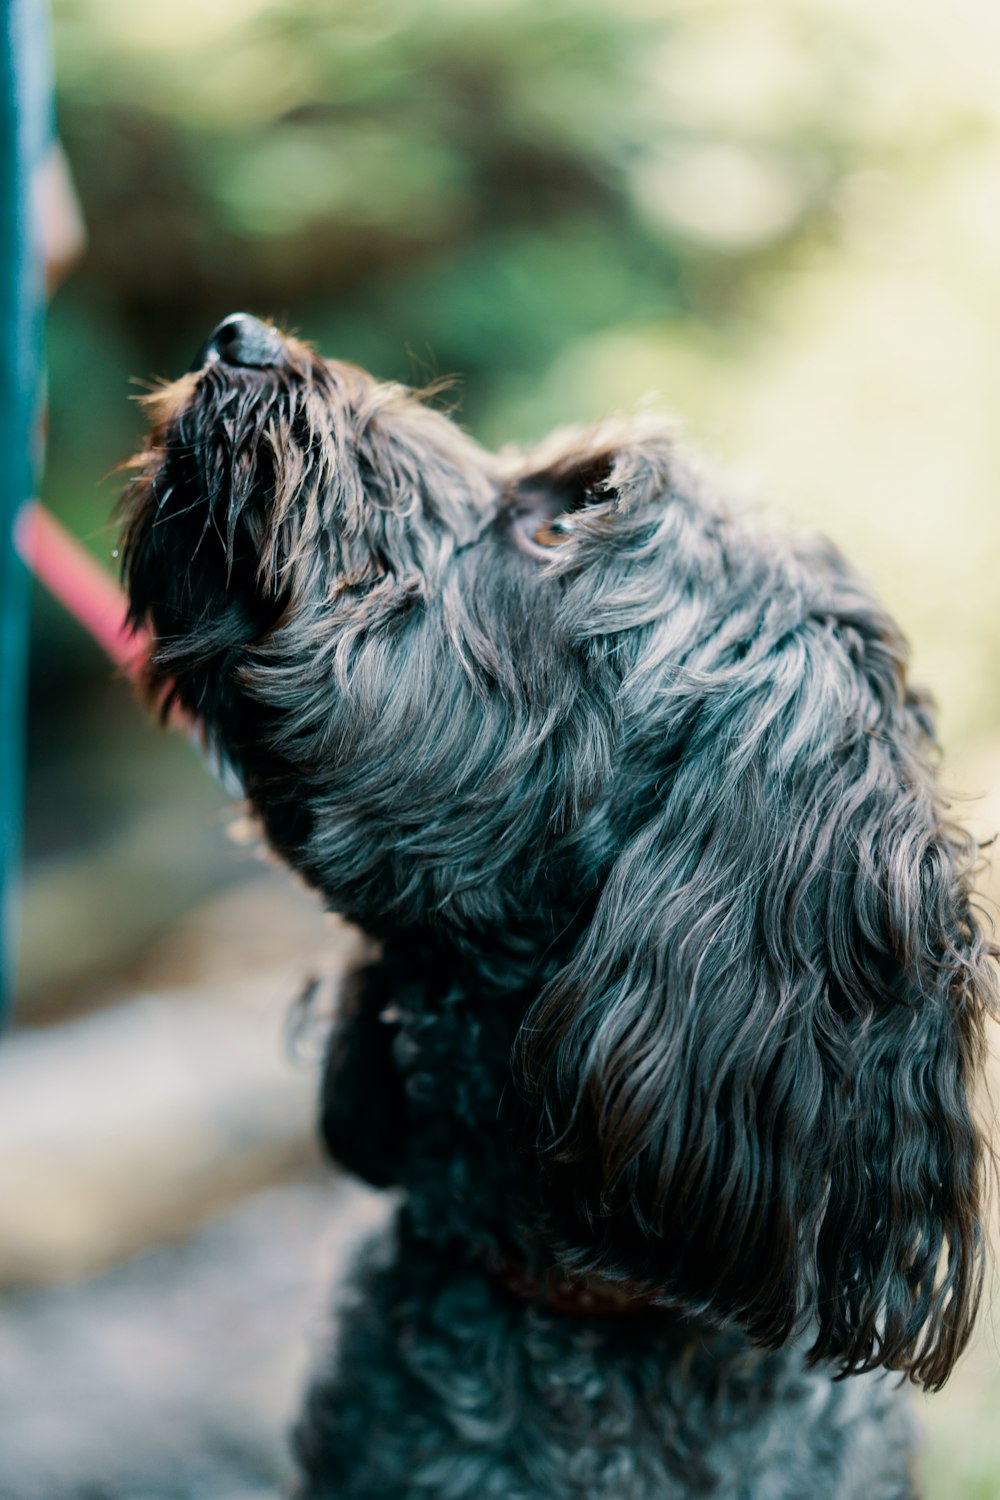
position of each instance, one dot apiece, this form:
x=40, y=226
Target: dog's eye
x=536, y=532
x=552, y=533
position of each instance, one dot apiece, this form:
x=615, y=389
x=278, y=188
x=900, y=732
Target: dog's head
x=563, y=711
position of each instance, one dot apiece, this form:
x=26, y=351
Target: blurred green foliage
x=479, y=181
x=461, y=187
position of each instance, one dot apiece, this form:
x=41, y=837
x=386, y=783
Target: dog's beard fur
x=652, y=773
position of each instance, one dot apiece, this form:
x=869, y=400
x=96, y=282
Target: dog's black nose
x=241, y=339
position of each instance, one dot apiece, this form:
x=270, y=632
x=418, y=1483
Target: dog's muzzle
x=244, y=341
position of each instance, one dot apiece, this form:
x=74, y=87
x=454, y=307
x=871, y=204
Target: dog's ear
x=579, y=477
x=751, y=1082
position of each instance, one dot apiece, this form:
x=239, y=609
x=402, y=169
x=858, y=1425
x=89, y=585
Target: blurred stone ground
x=176, y=1375
x=137, y=1122
x=170, y=1243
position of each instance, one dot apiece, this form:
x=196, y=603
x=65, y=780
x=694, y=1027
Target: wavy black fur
x=681, y=987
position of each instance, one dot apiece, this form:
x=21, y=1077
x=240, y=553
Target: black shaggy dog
x=681, y=998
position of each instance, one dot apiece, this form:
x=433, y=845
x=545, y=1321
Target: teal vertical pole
x=25, y=134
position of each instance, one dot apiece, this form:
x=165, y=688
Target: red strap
x=79, y=582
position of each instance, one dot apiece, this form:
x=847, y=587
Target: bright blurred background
x=781, y=222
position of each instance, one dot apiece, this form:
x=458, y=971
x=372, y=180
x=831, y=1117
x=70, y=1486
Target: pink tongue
x=80, y=584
